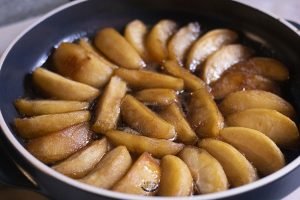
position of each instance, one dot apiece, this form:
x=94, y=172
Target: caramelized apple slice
x=237, y=168
x=139, y=144
x=56, y=86
x=257, y=148
x=108, y=107
x=182, y=40
x=279, y=128
x=59, y=145
x=158, y=37
x=157, y=96
x=174, y=115
x=207, y=179
x=141, y=118
x=42, y=107
x=207, y=45
x=191, y=82
x=143, y=177
x=242, y=100
x=135, y=33
x=111, y=168
x=44, y=124
x=222, y=59
x=83, y=161
x=138, y=79
x=176, y=178
x=116, y=48
x=204, y=115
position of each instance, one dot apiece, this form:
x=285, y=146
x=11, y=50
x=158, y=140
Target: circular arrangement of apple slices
x=138, y=113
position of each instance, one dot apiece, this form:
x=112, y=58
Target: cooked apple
x=43, y=107
x=59, y=145
x=41, y=125
x=56, y=86
x=157, y=39
x=238, y=169
x=207, y=172
x=222, y=59
x=108, y=106
x=157, y=96
x=111, y=168
x=279, y=128
x=139, y=144
x=207, y=45
x=113, y=45
x=143, y=177
x=261, y=151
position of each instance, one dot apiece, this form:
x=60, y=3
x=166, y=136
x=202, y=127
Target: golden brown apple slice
x=56, y=86
x=174, y=115
x=42, y=107
x=115, y=47
x=158, y=37
x=182, y=40
x=73, y=61
x=111, y=168
x=135, y=33
x=204, y=115
x=238, y=169
x=139, y=144
x=279, y=128
x=207, y=172
x=233, y=81
x=261, y=151
x=83, y=161
x=143, y=177
x=176, y=178
x=191, y=82
x=157, y=96
x=242, y=100
x=141, y=118
x=222, y=59
x=41, y=125
x=207, y=45
x=108, y=106
x=59, y=145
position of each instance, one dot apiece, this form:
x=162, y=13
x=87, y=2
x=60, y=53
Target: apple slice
x=156, y=96
x=142, y=179
x=261, y=151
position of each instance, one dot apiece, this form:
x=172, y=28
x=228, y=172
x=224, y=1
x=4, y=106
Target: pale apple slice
x=142, y=119
x=158, y=38
x=111, y=168
x=113, y=45
x=174, y=115
x=191, y=82
x=83, y=161
x=60, y=145
x=176, y=178
x=43, y=107
x=156, y=96
x=222, y=59
x=56, y=86
x=207, y=172
x=41, y=125
x=73, y=61
x=207, y=45
x=242, y=100
x=138, y=79
x=108, y=106
x=142, y=179
x=279, y=128
x=238, y=169
x=261, y=151
x=139, y=144
x=135, y=33
x=182, y=40
x=204, y=115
